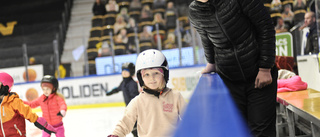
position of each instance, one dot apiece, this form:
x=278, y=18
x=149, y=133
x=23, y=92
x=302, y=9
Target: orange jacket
x=13, y=115
x=50, y=107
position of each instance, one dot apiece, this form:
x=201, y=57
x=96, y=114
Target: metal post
x=59, y=36
x=158, y=37
x=56, y=56
x=25, y=59
x=193, y=37
x=63, y=22
x=66, y=13
x=136, y=40
x=291, y=124
x=317, y=19
x=200, y=49
x=86, y=61
x=112, y=50
x=179, y=42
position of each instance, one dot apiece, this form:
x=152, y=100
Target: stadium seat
x=92, y=67
x=120, y=48
x=14, y=52
x=144, y=45
x=123, y=3
x=92, y=53
x=97, y=21
x=147, y=2
x=92, y=43
x=109, y=18
x=135, y=13
x=95, y=32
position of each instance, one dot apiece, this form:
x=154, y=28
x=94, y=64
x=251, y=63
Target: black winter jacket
x=312, y=40
x=238, y=36
x=129, y=88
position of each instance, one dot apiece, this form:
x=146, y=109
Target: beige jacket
x=156, y=117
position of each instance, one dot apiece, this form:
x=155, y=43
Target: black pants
x=258, y=106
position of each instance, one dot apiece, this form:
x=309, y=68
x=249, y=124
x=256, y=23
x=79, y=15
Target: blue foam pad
x=211, y=112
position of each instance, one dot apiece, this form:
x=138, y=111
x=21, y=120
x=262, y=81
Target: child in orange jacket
x=14, y=112
x=52, y=104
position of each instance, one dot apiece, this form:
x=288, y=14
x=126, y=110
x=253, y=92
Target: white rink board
x=91, y=90
x=18, y=73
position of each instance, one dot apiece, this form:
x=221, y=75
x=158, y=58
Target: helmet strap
x=154, y=92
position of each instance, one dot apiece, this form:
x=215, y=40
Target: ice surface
x=87, y=122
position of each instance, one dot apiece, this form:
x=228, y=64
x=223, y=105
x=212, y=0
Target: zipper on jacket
x=4, y=135
x=233, y=45
x=48, y=111
x=15, y=126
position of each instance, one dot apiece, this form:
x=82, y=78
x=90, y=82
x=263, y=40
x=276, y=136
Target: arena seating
x=37, y=25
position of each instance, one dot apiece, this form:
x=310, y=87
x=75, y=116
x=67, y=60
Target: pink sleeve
x=34, y=103
x=62, y=103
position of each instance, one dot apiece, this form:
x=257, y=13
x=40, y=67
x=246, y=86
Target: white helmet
x=151, y=58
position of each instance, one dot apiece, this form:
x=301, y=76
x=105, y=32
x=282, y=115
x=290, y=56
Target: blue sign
x=104, y=65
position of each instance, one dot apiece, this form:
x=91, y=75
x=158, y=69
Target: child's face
x=125, y=74
x=46, y=90
x=153, y=78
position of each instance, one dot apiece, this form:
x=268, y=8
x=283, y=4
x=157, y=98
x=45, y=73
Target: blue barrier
x=211, y=112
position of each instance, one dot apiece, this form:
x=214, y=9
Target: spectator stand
x=37, y=28
x=145, y=28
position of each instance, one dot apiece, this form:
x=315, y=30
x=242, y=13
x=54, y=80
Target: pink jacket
x=291, y=84
x=50, y=107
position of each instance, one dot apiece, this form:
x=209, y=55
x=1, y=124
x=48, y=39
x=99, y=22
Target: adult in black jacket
x=312, y=45
x=239, y=44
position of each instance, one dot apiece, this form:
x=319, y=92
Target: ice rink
x=86, y=122
x=203, y=110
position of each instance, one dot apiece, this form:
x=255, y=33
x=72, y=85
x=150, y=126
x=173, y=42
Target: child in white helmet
x=157, y=108
x=14, y=112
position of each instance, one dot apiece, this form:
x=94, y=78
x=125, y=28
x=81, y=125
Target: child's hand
x=62, y=113
x=113, y=136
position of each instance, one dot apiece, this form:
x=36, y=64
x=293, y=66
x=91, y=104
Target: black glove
x=114, y=90
x=113, y=136
x=4, y=90
x=42, y=124
x=59, y=114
